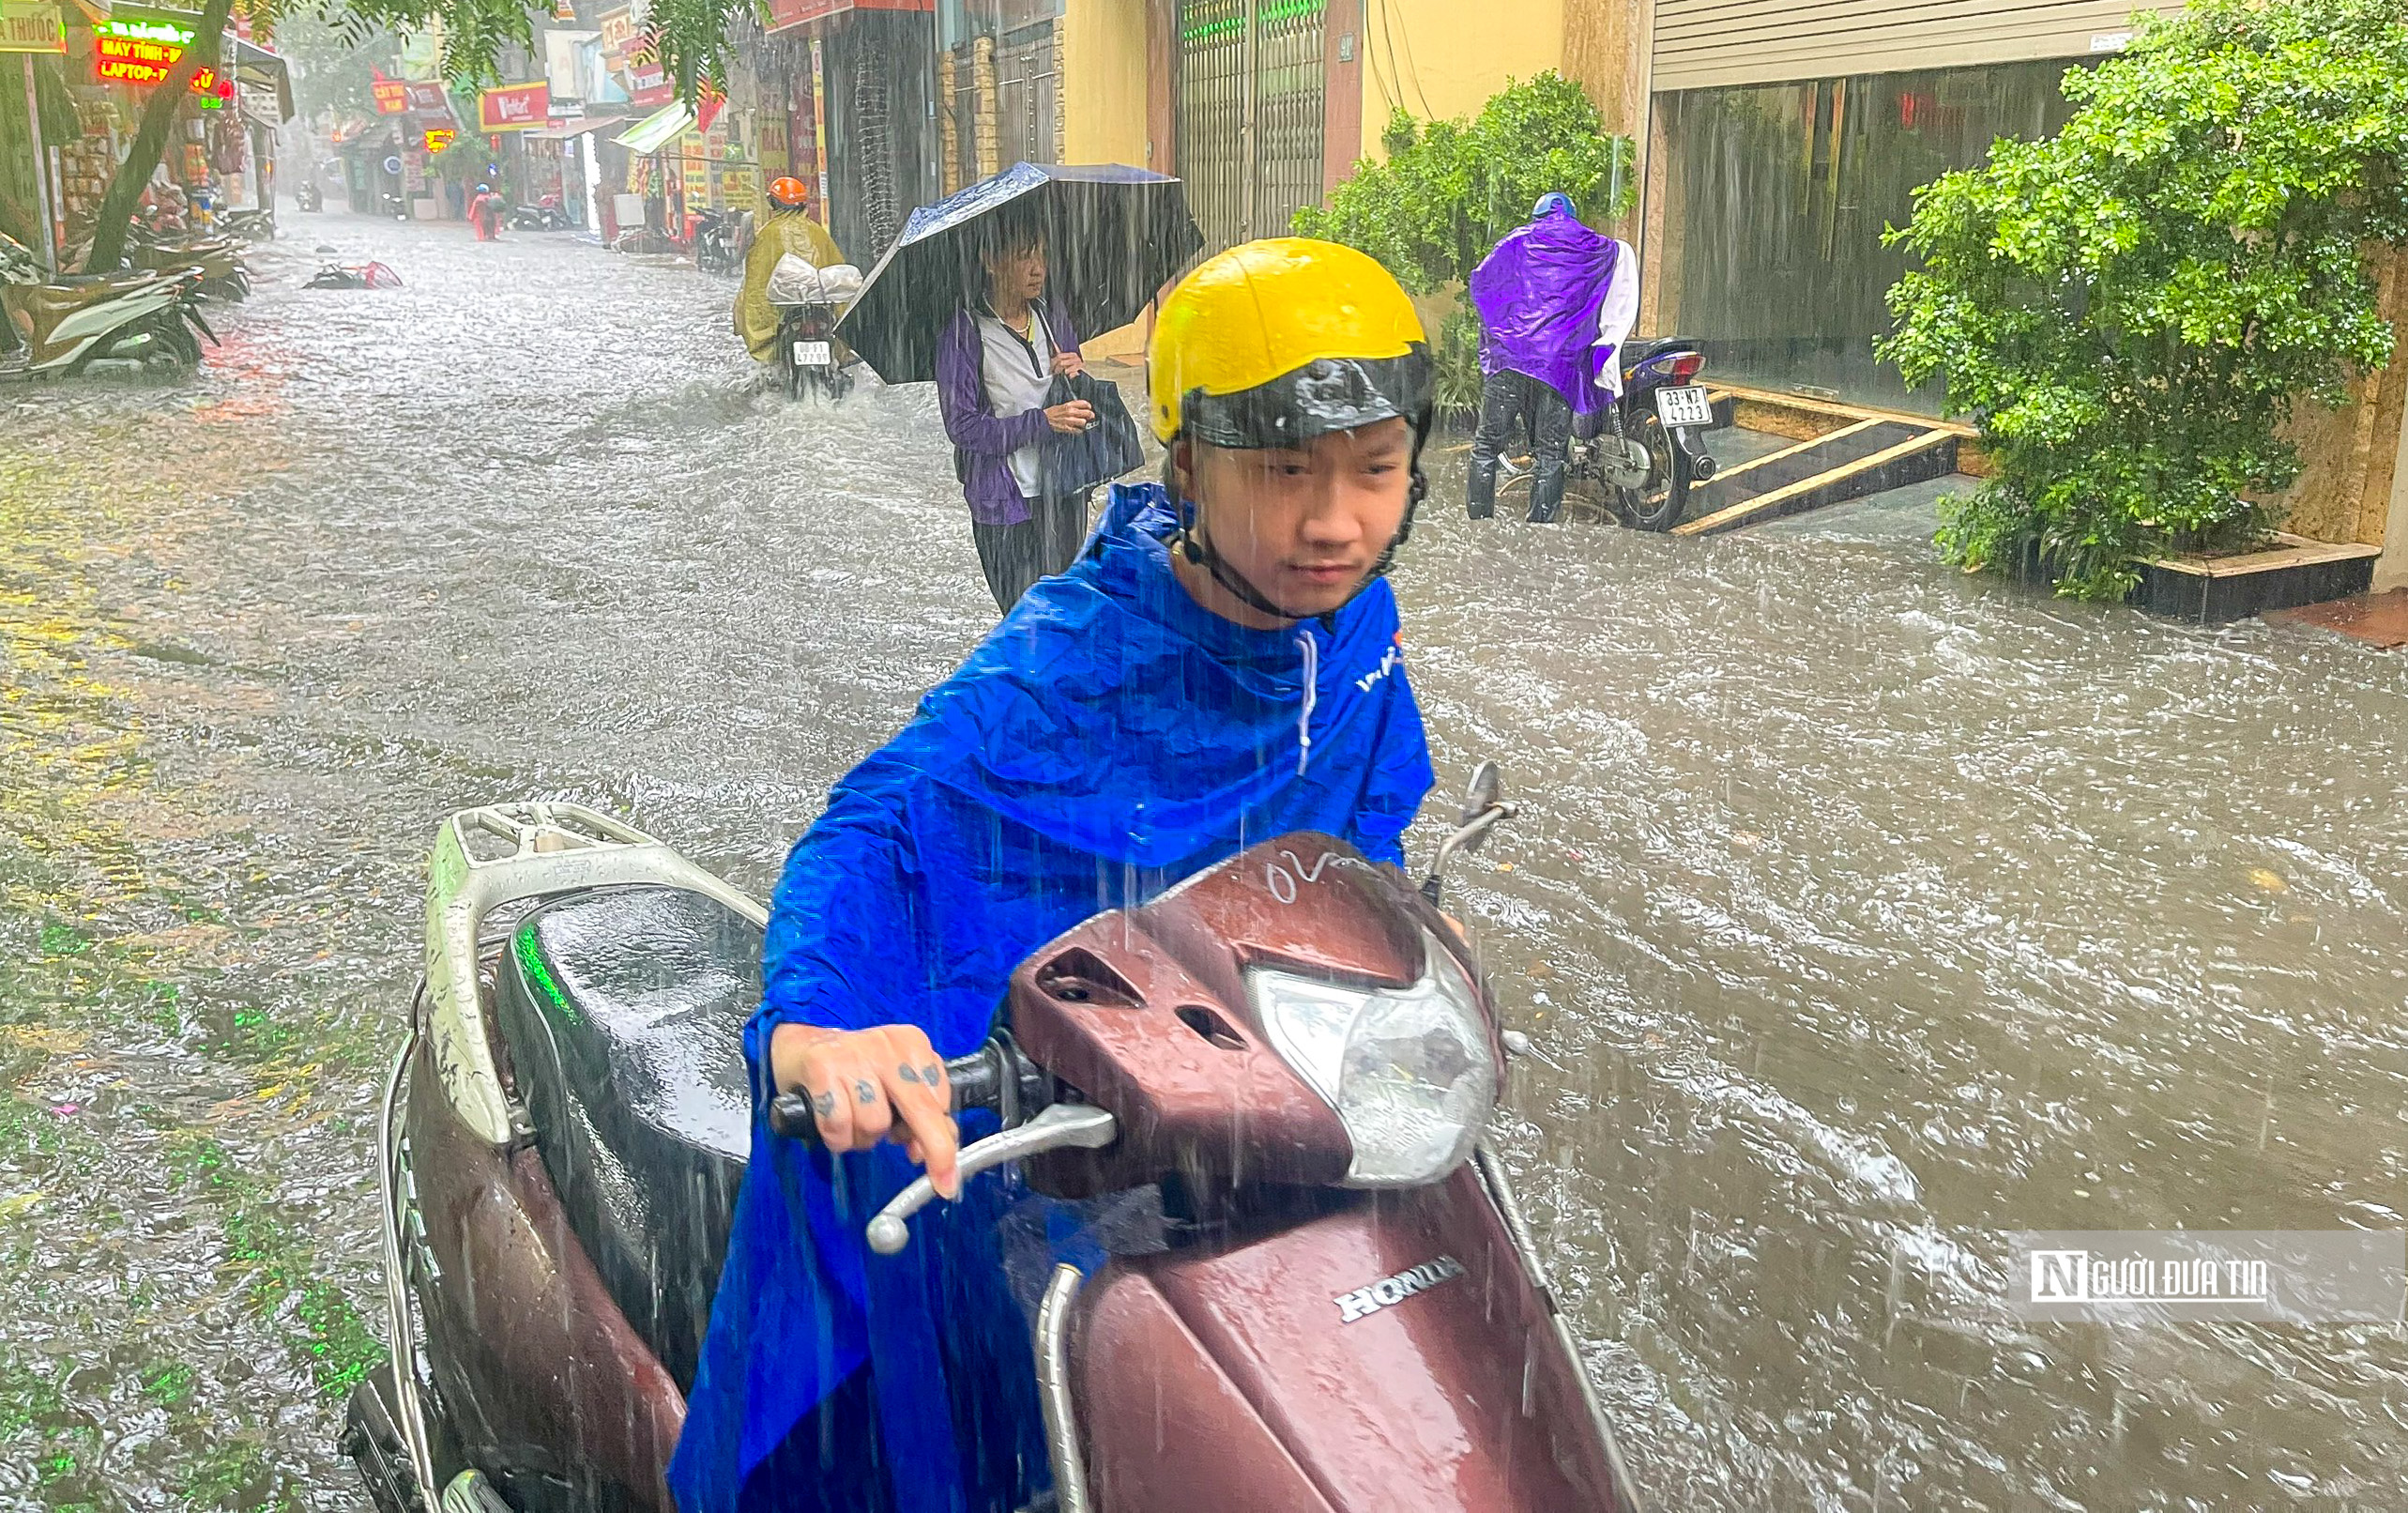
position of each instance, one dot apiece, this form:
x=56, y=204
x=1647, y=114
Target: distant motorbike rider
x=1556, y=301
x=1223, y=662
x=790, y=229
x=485, y=213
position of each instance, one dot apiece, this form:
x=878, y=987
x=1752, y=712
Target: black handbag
x=1108, y=448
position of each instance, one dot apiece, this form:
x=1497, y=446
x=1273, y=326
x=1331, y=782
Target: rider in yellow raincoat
x=787, y=230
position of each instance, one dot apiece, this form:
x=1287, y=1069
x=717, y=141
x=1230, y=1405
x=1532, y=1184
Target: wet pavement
x=1864, y=912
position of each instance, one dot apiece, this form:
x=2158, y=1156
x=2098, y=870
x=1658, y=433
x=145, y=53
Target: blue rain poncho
x=1108, y=739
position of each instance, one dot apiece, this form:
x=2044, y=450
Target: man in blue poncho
x=1220, y=666
x=1556, y=298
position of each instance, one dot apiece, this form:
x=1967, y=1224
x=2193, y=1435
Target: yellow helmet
x=1279, y=340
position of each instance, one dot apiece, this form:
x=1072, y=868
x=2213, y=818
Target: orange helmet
x=789, y=193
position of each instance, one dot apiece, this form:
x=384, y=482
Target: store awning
x=568, y=131
x=658, y=130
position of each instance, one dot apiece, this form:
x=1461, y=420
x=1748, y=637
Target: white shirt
x=1617, y=316
x=1017, y=374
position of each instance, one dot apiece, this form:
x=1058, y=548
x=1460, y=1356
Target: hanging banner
x=786, y=13
x=31, y=26
x=514, y=107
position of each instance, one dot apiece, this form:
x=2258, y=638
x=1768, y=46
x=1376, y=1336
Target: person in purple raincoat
x=996, y=358
x=1556, y=299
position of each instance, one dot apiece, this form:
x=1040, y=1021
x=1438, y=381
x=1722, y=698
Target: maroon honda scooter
x=1344, y=1311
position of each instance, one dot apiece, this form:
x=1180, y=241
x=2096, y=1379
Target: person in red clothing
x=485, y=213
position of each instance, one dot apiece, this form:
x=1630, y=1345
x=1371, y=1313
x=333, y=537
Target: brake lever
x=1062, y=1127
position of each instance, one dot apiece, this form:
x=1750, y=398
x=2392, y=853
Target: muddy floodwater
x=1863, y=912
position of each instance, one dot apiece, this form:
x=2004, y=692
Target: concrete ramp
x=1860, y=455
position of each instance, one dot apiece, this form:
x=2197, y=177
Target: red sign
x=392, y=96
x=786, y=13
x=429, y=96
x=647, y=84
x=514, y=107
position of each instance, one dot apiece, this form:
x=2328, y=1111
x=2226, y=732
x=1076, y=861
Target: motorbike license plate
x=1686, y=407
x=810, y=354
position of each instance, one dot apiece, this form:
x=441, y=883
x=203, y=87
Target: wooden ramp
x=1858, y=456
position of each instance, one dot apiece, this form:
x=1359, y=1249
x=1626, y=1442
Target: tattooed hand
x=872, y=1085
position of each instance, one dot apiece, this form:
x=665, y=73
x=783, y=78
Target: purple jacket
x=983, y=443
x=1540, y=294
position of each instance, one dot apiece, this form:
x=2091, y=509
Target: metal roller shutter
x=1709, y=43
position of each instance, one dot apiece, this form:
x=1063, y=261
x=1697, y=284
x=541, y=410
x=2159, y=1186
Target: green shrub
x=2133, y=308
x=1449, y=190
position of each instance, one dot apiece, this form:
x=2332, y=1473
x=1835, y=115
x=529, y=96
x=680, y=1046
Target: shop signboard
x=31, y=26
x=130, y=51
x=786, y=13
x=439, y=137
x=392, y=96
x=647, y=84
x=430, y=98
x=422, y=55
x=514, y=107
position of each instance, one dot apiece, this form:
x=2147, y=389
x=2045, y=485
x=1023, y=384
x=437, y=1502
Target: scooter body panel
x=1391, y=1354
x=540, y=1375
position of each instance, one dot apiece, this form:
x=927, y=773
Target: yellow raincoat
x=788, y=231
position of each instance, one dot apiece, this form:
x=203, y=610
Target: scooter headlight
x=1409, y=1070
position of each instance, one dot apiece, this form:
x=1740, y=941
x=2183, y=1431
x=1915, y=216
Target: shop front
x=857, y=84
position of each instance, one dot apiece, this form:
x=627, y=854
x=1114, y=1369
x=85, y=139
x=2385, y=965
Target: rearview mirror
x=1487, y=786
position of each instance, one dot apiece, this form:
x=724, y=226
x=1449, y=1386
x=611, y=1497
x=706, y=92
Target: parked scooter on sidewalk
x=543, y=216
x=258, y=224
x=224, y=276
x=722, y=238
x=138, y=320
x=1343, y=1308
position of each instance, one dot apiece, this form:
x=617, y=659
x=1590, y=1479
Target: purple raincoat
x=1540, y=294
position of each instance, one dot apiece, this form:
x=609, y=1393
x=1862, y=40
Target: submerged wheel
x=1659, y=503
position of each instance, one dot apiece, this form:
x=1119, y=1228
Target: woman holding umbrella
x=995, y=360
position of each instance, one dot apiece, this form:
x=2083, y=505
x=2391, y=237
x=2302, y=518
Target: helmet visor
x=1324, y=395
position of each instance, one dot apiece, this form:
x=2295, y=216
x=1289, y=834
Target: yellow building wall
x=1103, y=71
x=1439, y=59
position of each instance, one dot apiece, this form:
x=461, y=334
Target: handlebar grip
x=976, y=1080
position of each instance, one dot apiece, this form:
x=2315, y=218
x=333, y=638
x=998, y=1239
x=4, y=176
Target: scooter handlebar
x=996, y=1077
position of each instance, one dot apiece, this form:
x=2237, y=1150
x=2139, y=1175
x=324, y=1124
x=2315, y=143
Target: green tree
x=2132, y=309
x=1449, y=190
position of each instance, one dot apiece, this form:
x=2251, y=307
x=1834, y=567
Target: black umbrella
x=1114, y=236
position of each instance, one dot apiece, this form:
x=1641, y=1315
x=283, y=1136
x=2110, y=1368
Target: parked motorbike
x=249, y=224
x=1637, y=459
x=137, y=320
x=308, y=197
x=1344, y=1310
x=722, y=238
x=223, y=274
x=392, y=205
x=545, y=216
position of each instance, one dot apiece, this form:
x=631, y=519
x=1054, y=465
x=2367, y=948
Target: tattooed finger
x=909, y=1073
x=865, y=1091
x=825, y=1103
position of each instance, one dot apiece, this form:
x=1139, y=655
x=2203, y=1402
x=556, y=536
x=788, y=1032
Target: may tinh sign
x=126, y=51
x=514, y=107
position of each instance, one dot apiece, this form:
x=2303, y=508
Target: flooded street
x=1863, y=912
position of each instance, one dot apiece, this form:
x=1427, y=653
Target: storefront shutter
x=1709, y=43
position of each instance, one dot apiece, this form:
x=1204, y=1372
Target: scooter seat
x=624, y=1011
x=1634, y=353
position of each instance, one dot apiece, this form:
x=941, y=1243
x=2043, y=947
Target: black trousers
x=1506, y=399
x=1014, y=557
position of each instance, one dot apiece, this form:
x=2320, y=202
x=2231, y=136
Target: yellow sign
x=438, y=138
x=31, y=26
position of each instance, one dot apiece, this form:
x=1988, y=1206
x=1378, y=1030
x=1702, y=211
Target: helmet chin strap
x=1198, y=549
